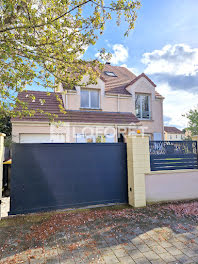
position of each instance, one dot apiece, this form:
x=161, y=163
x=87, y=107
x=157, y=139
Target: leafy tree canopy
x=6, y=128
x=5, y=125
x=45, y=39
x=192, y=116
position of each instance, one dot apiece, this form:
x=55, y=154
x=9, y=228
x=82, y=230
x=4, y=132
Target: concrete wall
x=28, y=128
x=146, y=186
x=171, y=185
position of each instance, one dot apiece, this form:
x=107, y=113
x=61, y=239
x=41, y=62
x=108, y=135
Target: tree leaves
x=42, y=42
x=192, y=117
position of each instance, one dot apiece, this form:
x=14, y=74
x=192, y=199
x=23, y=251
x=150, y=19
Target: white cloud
x=176, y=104
x=175, y=69
x=177, y=59
x=119, y=54
x=133, y=70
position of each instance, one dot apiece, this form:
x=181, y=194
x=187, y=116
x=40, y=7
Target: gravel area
x=5, y=206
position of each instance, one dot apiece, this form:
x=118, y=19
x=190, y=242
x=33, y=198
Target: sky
x=164, y=45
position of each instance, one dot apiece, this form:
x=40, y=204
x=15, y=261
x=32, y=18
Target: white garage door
x=41, y=138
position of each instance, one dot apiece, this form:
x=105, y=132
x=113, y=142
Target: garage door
x=41, y=138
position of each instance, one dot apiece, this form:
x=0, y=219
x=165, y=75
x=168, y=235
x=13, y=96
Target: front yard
x=157, y=234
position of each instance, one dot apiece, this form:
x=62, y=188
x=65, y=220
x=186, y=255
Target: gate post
x=1, y=165
x=195, y=138
x=138, y=163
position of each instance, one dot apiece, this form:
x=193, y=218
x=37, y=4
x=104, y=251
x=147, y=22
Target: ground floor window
x=157, y=136
x=81, y=138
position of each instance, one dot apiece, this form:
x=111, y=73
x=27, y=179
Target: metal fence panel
x=57, y=176
x=173, y=155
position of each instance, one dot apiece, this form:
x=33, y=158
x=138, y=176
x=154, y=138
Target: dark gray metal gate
x=56, y=176
x=173, y=155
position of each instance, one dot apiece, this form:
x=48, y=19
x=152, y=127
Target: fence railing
x=173, y=155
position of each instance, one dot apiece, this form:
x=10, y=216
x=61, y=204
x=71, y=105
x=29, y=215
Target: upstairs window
x=142, y=106
x=112, y=74
x=90, y=99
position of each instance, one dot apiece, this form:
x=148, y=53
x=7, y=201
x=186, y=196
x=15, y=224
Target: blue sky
x=159, y=23
x=164, y=45
x=166, y=37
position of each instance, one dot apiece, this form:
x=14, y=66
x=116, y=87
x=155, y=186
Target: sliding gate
x=57, y=176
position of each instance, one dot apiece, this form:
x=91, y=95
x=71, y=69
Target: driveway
x=157, y=234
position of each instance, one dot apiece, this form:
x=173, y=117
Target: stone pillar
x=138, y=162
x=195, y=138
x=1, y=165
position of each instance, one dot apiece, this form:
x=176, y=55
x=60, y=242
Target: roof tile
x=172, y=130
x=52, y=106
x=124, y=78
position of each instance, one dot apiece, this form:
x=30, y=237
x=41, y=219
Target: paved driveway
x=156, y=234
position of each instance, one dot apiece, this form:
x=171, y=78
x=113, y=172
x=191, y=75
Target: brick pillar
x=138, y=162
x=1, y=165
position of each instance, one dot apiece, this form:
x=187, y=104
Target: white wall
x=171, y=185
x=175, y=137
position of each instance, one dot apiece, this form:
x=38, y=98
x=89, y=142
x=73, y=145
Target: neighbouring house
x=173, y=133
x=187, y=133
x=119, y=104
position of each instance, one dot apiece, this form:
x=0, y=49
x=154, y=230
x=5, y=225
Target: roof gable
x=172, y=130
x=142, y=75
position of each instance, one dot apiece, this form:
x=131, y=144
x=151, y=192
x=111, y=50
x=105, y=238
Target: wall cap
x=139, y=136
x=171, y=171
x=2, y=135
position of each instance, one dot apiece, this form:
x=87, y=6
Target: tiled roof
x=117, y=84
x=52, y=106
x=124, y=78
x=172, y=130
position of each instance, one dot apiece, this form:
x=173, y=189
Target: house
x=173, y=133
x=119, y=104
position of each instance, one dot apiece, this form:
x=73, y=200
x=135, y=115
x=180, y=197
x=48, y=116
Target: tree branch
x=44, y=24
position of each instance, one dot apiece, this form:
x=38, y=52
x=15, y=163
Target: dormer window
x=111, y=74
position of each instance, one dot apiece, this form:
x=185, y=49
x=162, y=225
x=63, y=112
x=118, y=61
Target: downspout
x=66, y=100
x=118, y=103
x=116, y=134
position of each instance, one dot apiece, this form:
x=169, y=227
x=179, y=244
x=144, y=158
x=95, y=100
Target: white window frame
x=89, y=91
x=149, y=105
x=108, y=138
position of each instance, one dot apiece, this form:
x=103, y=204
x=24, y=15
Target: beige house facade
x=119, y=104
x=173, y=134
